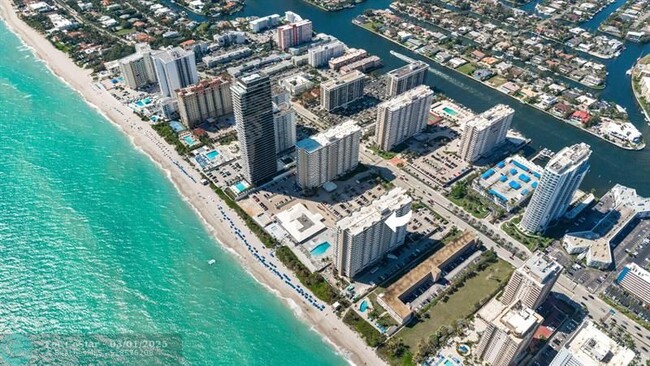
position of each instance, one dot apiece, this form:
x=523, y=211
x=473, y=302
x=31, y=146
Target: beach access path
x=202, y=199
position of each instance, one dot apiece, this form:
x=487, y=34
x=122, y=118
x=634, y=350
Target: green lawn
x=532, y=242
x=497, y=81
x=459, y=305
x=467, y=69
x=473, y=204
x=125, y=31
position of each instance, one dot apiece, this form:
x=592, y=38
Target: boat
x=212, y=261
x=629, y=72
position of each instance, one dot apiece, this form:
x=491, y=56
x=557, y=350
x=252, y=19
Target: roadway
x=595, y=306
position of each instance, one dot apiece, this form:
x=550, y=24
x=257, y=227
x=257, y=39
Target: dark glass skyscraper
x=252, y=102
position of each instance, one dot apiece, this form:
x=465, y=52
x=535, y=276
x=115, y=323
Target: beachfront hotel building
x=406, y=77
x=402, y=117
x=340, y=92
x=325, y=156
x=532, y=282
x=559, y=182
x=636, y=280
x=137, y=69
x=590, y=346
x=485, y=132
x=253, y=107
x=320, y=55
x=175, y=69
x=294, y=34
x=509, y=331
x=209, y=99
x=364, y=237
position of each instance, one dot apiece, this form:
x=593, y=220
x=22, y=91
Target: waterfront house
x=562, y=110
x=581, y=116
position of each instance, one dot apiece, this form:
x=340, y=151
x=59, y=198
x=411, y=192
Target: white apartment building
x=532, y=282
x=560, y=180
x=260, y=24
x=340, y=92
x=592, y=347
x=284, y=120
x=406, y=77
x=319, y=56
x=485, y=132
x=208, y=99
x=402, y=117
x=636, y=280
x=364, y=237
x=137, y=69
x=508, y=333
x=175, y=69
x=327, y=155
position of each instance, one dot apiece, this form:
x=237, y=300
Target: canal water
x=609, y=164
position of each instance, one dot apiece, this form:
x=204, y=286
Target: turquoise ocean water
x=95, y=240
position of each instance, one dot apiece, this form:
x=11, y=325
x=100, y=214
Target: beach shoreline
x=201, y=198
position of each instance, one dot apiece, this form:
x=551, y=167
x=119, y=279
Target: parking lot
x=349, y=196
x=435, y=160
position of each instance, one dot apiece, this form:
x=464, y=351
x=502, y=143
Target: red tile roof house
x=580, y=116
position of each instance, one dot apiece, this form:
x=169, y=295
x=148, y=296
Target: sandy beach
x=205, y=202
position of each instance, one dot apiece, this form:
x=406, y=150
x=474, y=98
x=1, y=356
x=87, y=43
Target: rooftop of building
x=489, y=117
x=591, y=346
x=626, y=204
x=516, y=319
x=172, y=54
x=405, y=98
x=407, y=69
x=202, y=85
x=541, y=267
x=377, y=210
x=352, y=52
x=349, y=77
x=301, y=223
x=429, y=266
x=635, y=269
x=511, y=180
x=295, y=24
x=320, y=47
x=569, y=157
x=324, y=138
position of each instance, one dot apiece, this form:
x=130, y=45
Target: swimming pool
x=363, y=306
x=240, y=187
x=189, y=140
x=450, y=111
x=143, y=102
x=212, y=154
x=320, y=249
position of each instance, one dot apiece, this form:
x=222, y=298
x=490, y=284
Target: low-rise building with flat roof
x=300, y=223
x=626, y=206
x=510, y=182
x=428, y=271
